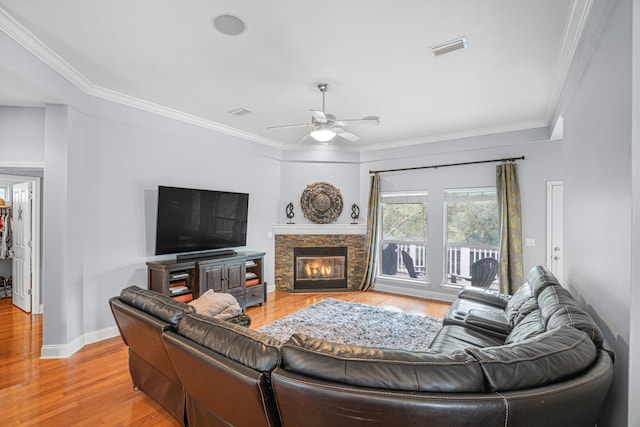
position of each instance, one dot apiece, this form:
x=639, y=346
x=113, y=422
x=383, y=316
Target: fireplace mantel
x=319, y=229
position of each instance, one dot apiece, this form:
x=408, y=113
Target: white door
x=554, y=228
x=22, y=246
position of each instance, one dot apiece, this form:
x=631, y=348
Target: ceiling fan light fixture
x=323, y=134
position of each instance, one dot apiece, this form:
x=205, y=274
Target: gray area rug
x=357, y=324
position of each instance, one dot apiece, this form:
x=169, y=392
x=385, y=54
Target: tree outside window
x=404, y=235
x=472, y=231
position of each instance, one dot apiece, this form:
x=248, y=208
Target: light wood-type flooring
x=93, y=387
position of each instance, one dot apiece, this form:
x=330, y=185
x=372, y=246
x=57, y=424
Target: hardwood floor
x=93, y=387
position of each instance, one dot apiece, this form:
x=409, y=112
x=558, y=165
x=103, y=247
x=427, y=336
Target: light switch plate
x=529, y=241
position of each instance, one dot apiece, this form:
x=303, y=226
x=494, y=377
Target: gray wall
x=296, y=175
x=102, y=171
x=634, y=333
x=597, y=196
x=21, y=136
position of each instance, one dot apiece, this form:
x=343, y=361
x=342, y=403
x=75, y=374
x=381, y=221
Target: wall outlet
x=529, y=241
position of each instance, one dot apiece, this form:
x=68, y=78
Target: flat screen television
x=192, y=220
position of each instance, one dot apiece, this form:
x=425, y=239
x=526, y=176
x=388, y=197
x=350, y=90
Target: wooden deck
x=93, y=387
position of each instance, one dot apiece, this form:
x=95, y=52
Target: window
x=3, y=193
x=404, y=235
x=471, y=231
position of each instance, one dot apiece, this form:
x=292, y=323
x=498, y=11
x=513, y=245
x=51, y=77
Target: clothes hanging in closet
x=6, y=231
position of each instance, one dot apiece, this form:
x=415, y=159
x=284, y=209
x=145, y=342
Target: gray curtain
x=511, y=273
x=371, y=246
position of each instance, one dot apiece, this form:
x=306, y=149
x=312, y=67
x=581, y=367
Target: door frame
x=37, y=307
x=550, y=231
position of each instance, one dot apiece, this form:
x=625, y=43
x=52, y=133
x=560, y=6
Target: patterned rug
x=358, y=324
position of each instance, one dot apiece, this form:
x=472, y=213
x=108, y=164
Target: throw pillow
x=216, y=304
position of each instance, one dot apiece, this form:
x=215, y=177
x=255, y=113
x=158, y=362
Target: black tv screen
x=191, y=220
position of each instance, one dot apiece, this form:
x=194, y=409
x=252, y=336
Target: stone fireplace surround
x=289, y=236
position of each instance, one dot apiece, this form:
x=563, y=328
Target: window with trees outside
x=403, y=236
x=472, y=232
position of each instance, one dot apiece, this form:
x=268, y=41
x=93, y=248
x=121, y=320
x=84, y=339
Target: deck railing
x=459, y=258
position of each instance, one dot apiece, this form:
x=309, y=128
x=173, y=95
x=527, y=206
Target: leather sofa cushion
x=457, y=338
x=488, y=320
x=248, y=347
x=519, y=298
x=158, y=305
x=539, y=277
x=461, y=308
x=545, y=359
x=382, y=368
x=559, y=308
x=529, y=305
x=529, y=327
x=485, y=296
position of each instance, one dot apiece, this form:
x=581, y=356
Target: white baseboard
x=61, y=351
x=414, y=292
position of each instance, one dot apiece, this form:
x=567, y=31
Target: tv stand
x=240, y=274
x=206, y=254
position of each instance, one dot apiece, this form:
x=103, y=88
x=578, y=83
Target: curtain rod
x=510, y=159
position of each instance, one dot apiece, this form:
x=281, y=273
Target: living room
x=103, y=161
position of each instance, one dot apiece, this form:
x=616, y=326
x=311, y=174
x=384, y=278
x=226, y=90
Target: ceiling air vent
x=239, y=111
x=450, y=46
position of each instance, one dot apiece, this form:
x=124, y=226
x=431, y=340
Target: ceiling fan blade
x=303, y=137
x=290, y=126
x=318, y=117
x=369, y=120
x=349, y=136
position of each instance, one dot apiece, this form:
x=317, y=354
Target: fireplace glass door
x=320, y=268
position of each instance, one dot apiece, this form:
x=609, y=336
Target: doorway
x=23, y=259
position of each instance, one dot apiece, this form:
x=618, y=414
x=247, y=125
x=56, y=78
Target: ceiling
x=166, y=54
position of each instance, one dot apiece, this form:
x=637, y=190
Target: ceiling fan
x=325, y=126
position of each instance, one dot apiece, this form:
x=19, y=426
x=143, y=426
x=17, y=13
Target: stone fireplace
x=299, y=247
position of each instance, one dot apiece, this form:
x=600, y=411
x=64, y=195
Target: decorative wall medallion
x=321, y=203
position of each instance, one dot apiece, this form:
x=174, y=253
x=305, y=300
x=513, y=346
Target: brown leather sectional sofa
x=534, y=359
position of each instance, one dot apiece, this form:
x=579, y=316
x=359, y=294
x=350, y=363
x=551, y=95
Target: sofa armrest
x=491, y=321
x=486, y=296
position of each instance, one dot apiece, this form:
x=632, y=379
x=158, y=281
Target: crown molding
x=470, y=133
x=29, y=41
x=577, y=21
x=580, y=10
x=140, y=104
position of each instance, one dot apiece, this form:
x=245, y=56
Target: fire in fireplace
x=320, y=268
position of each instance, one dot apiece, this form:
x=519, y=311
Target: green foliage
x=405, y=222
x=473, y=223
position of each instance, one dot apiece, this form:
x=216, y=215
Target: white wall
x=597, y=196
x=542, y=164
